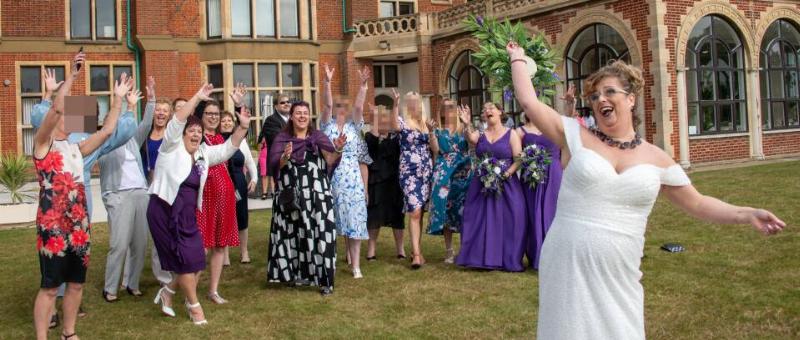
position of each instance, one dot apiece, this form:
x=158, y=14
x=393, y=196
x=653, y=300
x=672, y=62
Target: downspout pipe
x=345, y=29
x=136, y=51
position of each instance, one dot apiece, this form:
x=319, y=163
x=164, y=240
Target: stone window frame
x=306, y=23
x=92, y=23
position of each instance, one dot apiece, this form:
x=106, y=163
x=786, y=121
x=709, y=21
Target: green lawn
x=731, y=283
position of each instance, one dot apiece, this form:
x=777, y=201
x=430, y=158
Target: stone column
x=683, y=120
x=754, y=116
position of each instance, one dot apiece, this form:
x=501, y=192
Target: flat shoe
x=134, y=292
x=109, y=298
x=54, y=321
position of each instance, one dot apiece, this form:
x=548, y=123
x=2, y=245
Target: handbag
x=289, y=199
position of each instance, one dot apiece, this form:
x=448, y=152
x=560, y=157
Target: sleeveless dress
x=450, y=183
x=415, y=167
x=236, y=171
x=385, y=207
x=541, y=202
x=493, y=233
x=347, y=186
x=174, y=228
x=217, y=219
x=62, y=222
x=589, y=269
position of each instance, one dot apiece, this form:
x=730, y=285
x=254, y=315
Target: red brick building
x=721, y=77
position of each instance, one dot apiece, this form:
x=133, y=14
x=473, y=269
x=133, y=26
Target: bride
x=589, y=272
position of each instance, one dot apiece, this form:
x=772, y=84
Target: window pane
x=390, y=76
x=766, y=122
x=726, y=117
x=741, y=116
x=709, y=123
x=589, y=63
x=790, y=32
x=59, y=72
x=723, y=85
x=764, y=79
x=266, y=100
x=377, y=76
x=79, y=19
x=106, y=18
x=387, y=9
x=240, y=14
x=775, y=55
x=691, y=86
x=289, y=20
x=27, y=108
x=707, y=86
x=215, y=75
x=27, y=141
x=99, y=78
x=310, y=21
x=700, y=30
x=776, y=84
x=292, y=75
x=243, y=73
x=777, y=115
x=214, y=12
x=31, y=79
x=313, y=76
x=249, y=100
x=267, y=75
x=406, y=8
x=738, y=85
x=693, y=118
x=792, y=115
x=118, y=70
x=790, y=56
x=103, y=104
x=265, y=18
x=791, y=83
x=705, y=55
x=723, y=56
x=609, y=36
x=725, y=32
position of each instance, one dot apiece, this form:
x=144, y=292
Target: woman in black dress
x=242, y=159
x=385, y=200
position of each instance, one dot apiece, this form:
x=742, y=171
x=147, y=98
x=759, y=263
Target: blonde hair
x=420, y=108
x=630, y=77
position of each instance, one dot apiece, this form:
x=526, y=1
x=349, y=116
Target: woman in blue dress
x=451, y=177
x=415, y=166
x=349, y=192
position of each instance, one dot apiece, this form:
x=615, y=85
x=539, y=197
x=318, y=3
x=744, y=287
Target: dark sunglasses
x=284, y=102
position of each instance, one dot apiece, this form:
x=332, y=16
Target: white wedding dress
x=589, y=272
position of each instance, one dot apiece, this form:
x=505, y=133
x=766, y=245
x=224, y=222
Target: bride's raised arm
x=543, y=116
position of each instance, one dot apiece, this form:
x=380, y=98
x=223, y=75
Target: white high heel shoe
x=357, y=273
x=191, y=317
x=168, y=311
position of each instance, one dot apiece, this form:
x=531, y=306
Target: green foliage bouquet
x=492, y=58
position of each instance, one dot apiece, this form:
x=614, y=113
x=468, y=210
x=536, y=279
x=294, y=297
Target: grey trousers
x=164, y=277
x=127, y=232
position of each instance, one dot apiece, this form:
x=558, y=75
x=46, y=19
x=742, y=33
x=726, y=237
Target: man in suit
x=277, y=121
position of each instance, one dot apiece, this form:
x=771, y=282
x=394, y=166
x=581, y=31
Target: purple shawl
x=313, y=143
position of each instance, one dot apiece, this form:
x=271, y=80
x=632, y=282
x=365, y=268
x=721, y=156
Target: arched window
x=593, y=47
x=715, y=78
x=467, y=84
x=780, y=66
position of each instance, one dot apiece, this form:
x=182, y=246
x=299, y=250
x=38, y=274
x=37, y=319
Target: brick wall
x=781, y=143
x=329, y=20
x=18, y=18
x=719, y=149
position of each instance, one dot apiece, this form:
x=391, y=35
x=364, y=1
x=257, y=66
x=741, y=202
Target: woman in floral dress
x=62, y=223
x=415, y=166
x=347, y=183
x=450, y=179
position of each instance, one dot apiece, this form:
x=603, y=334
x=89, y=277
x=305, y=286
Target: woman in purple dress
x=493, y=231
x=177, y=192
x=541, y=201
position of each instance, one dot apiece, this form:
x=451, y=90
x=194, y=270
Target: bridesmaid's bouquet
x=492, y=58
x=490, y=172
x=534, y=161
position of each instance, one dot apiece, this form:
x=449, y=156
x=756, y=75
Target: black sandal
x=66, y=337
x=136, y=293
x=264, y=197
x=401, y=256
x=372, y=258
x=109, y=300
x=54, y=321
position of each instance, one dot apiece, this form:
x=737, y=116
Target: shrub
x=15, y=172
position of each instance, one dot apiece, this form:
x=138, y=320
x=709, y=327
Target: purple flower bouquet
x=534, y=161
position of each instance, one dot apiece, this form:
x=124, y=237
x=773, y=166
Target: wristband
x=519, y=59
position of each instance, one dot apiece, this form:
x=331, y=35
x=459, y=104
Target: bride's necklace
x=629, y=145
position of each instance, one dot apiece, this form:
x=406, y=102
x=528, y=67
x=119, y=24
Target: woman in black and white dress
x=302, y=243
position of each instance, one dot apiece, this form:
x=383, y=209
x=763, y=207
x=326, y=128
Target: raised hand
x=329, y=71
x=151, y=88
x=464, y=114
x=50, y=83
x=204, y=93
x=287, y=151
x=238, y=94
x=514, y=50
x=569, y=96
x=244, y=118
x=133, y=97
x=77, y=64
x=340, y=141
x=396, y=96
x=431, y=124
x=765, y=222
x=123, y=85
x=364, y=75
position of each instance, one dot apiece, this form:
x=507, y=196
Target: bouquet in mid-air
x=493, y=36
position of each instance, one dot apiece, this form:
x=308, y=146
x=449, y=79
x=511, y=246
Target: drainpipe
x=135, y=49
x=345, y=29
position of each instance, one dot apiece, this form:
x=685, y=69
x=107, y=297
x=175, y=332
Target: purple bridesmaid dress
x=541, y=202
x=493, y=232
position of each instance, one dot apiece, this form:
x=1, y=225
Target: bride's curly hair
x=630, y=77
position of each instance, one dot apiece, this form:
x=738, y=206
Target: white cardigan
x=249, y=163
x=174, y=163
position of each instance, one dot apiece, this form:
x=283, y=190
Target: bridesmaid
x=540, y=202
x=217, y=218
x=451, y=177
x=493, y=234
x=385, y=204
x=415, y=166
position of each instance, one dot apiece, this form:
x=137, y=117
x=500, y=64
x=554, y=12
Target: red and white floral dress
x=62, y=224
x=217, y=219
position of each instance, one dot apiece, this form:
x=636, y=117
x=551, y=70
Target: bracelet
x=339, y=150
x=519, y=59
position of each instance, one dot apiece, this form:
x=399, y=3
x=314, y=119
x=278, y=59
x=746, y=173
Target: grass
x=732, y=283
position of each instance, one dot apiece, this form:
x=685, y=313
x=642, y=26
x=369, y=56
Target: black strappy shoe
x=372, y=258
x=54, y=321
x=106, y=296
x=67, y=337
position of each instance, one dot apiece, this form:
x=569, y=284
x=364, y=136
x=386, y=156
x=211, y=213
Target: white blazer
x=174, y=163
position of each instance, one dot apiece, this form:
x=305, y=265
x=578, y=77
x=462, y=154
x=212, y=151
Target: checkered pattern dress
x=302, y=244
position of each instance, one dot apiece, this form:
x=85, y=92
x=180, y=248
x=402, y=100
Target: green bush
x=15, y=172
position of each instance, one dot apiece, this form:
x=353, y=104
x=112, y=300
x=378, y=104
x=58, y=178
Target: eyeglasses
x=608, y=92
x=211, y=113
x=284, y=102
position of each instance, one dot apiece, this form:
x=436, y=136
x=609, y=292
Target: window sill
x=258, y=40
x=720, y=136
x=93, y=42
x=779, y=131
